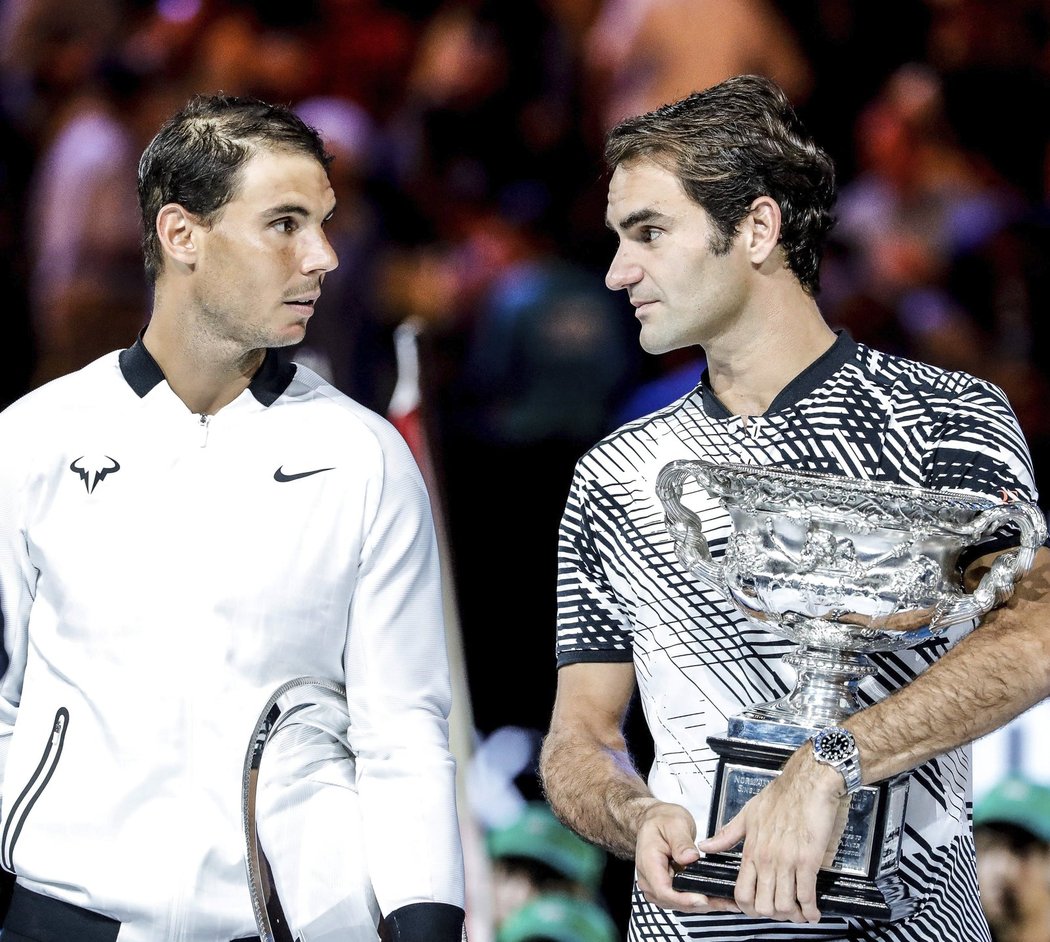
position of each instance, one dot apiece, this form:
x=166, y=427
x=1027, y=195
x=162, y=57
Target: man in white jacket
x=184, y=526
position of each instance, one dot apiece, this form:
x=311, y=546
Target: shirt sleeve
x=592, y=621
x=399, y=697
x=977, y=447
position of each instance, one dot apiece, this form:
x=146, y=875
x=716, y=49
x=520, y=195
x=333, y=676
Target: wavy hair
x=729, y=145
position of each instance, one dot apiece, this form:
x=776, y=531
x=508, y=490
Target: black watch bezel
x=835, y=746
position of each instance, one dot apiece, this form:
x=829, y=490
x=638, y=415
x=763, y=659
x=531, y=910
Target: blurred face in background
x=1013, y=872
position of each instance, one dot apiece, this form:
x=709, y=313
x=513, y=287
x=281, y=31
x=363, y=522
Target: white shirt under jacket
x=160, y=576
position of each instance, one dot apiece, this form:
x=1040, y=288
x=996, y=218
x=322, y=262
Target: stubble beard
x=226, y=326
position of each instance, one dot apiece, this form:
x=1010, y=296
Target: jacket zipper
x=34, y=787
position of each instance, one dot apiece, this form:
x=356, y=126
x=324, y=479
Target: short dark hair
x=196, y=158
x=730, y=144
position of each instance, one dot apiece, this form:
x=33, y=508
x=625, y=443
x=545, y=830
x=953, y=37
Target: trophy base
x=861, y=881
x=882, y=899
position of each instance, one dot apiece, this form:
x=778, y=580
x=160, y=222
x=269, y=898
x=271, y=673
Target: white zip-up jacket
x=161, y=574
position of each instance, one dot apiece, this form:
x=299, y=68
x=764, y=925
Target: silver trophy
x=844, y=568
x=301, y=817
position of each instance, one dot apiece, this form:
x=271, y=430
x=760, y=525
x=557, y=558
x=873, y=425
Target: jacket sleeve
x=17, y=585
x=399, y=697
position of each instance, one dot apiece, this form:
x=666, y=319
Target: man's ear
x=762, y=229
x=177, y=229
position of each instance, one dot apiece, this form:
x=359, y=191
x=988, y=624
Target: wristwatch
x=835, y=746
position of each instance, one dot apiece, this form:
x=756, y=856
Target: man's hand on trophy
x=790, y=830
x=666, y=843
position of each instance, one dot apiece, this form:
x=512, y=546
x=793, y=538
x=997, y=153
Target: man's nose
x=320, y=256
x=623, y=272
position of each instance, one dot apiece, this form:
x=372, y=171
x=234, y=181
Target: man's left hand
x=790, y=829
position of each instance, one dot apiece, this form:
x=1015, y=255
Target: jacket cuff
x=425, y=922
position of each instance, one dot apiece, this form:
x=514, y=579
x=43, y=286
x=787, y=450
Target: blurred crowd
x=1012, y=833
x=467, y=136
x=545, y=881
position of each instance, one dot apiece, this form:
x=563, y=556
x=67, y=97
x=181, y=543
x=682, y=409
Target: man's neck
x=205, y=375
x=753, y=363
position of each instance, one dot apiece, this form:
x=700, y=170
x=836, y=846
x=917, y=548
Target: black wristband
x=424, y=922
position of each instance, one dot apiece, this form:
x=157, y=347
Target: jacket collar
x=142, y=373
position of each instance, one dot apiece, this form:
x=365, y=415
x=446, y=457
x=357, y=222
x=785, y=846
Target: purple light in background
x=178, y=11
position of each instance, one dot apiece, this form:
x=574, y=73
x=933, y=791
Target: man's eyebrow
x=287, y=209
x=637, y=217
x=294, y=209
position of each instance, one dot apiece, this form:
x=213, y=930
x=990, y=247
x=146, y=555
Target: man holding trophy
x=789, y=562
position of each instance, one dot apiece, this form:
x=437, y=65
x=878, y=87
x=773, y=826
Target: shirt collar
x=843, y=349
x=142, y=373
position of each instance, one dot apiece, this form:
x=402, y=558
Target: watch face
x=835, y=744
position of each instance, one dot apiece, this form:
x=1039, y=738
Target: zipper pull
x=204, y=422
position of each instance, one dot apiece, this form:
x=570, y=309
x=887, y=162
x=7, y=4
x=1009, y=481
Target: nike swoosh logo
x=279, y=474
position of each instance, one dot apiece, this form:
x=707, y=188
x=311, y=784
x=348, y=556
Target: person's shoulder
x=328, y=410
x=71, y=393
x=916, y=378
x=634, y=441
x=34, y=425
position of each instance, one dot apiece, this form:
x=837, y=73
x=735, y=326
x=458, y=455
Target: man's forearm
x=595, y=789
x=997, y=672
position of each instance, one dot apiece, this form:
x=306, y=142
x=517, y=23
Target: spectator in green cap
x=1012, y=834
x=553, y=918
x=535, y=854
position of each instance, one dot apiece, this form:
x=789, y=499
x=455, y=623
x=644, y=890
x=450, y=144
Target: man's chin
x=289, y=336
x=651, y=343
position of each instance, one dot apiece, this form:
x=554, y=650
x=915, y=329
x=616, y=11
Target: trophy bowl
x=844, y=568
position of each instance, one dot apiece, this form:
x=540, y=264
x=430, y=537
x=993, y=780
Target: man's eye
x=285, y=225
x=650, y=235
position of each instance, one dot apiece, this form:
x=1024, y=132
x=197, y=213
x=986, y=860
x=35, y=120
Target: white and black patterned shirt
x=623, y=595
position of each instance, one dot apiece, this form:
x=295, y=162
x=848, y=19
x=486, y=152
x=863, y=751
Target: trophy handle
x=997, y=585
x=289, y=699
x=684, y=526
